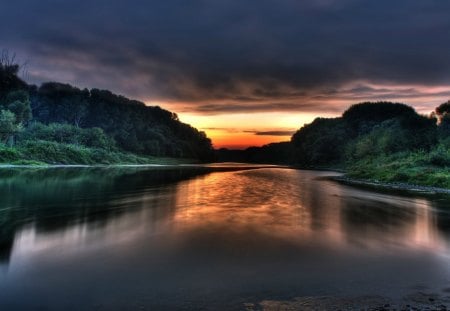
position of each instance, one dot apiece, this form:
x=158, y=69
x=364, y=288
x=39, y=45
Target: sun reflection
x=251, y=207
x=300, y=211
x=423, y=231
x=235, y=201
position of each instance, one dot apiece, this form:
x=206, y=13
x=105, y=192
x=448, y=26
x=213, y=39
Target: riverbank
x=414, y=171
x=393, y=186
x=56, y=154
x=413, y=301
x=413, y=178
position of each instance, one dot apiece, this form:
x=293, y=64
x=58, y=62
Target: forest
x=58, y=123
x=377, y=141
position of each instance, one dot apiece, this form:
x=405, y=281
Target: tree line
x=94, y=118
x=364, y=131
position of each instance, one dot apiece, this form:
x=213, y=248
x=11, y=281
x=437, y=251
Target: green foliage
x=68, y=134
x=421, y=168
x=134, y=126
x=382, y=141
x=364, y=130
x=8, y=155
x=36, y=152
x=18, y=102
x=389, y=137
x=93, y=118
x=320, y=142
x=440, y=156
x=15, y=113
x=95, y=137
x=8, y=125
x=60, y=153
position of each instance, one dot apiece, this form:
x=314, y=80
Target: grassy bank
x=45, y=152
x=417, y=168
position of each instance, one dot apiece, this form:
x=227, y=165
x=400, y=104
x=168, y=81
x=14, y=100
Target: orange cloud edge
x=237, y=129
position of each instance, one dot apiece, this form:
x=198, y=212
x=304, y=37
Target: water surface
x=192, y=238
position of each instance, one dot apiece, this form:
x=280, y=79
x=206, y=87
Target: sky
x=246, y=72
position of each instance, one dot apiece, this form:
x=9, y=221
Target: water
x=196, y=238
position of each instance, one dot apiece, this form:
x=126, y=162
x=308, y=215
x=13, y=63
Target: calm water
x=101, y=239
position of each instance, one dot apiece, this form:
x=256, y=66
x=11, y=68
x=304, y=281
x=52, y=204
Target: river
x=209, y=238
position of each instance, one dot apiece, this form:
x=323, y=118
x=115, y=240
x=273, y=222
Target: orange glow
x=241, y=140
x=235, y=129
x=238, y=131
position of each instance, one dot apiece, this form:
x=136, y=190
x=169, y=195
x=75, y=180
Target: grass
x=45, y=152
x=419, y=168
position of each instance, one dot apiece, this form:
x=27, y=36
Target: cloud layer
x=212, y=57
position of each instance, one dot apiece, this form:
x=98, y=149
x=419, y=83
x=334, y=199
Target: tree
x=16, y=112
x=8, y=127
x=18, y=102
x=443, y=110
x=320, y=142
x=9, y=70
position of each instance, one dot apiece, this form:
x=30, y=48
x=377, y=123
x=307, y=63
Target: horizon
x=246, y=74
x=225, y=155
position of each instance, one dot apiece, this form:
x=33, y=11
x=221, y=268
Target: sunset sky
x=246, y=72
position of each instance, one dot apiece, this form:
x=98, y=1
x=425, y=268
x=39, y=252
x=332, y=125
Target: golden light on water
x=237, y=205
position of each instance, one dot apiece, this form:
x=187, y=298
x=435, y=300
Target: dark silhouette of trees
x=274, y=153
x=133, y=125
x=63, y=113
x=443, y=109
x=364, y=130
x=9, y=69
x=320, y=142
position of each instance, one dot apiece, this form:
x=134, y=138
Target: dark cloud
x=249, y=54
x=235, y=107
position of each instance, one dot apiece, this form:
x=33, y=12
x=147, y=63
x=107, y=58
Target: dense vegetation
x=364, y=131
x=381, y=141
x=59, y=123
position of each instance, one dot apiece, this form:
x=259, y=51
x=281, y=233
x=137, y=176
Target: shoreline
x=83, y=165
x=218, y=166
x=393, y=186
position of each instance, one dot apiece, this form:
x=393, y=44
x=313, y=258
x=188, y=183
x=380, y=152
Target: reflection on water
x=192, y=238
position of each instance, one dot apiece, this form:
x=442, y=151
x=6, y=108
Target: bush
x=55, y=153
x=68, y=134
x=8, y=155
x=439, y=156
x=95, y=137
